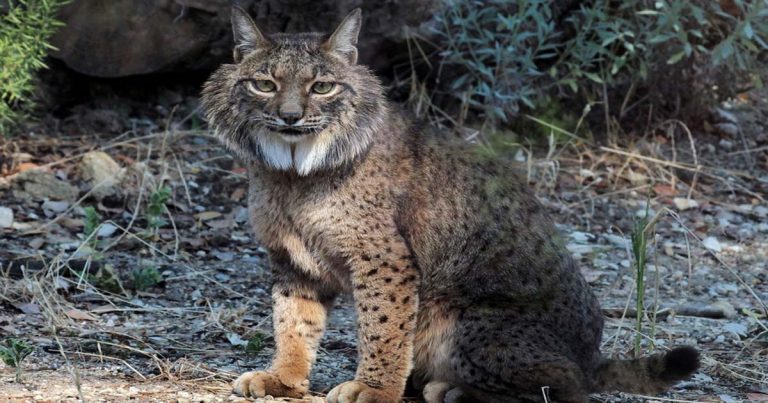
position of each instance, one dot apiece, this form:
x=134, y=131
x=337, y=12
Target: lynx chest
x=305, y=223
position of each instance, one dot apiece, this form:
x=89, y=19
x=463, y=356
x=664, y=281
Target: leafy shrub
x=497, y=48
x=508, y=54
x=24, y=33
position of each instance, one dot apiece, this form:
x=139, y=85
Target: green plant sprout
x=156, y=208
x=642, y=229
x=145, y=278
x=13, y=352
x=91, y=224
x=639, y=242
x=255, y=344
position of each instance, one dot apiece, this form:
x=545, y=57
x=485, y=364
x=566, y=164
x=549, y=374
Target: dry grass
x=78, y=338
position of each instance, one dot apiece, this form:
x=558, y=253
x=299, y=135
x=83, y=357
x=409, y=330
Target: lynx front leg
x=386, y=298
x=299, y=315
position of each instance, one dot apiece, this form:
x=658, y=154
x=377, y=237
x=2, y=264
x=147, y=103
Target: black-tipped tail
x=653, y=374
x=680, y=364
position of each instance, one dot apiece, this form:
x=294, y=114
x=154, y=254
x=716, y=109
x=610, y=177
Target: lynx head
x=295, y=102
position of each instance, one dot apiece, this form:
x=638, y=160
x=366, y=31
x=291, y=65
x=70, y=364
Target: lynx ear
x=247, y=36
x=343, y=41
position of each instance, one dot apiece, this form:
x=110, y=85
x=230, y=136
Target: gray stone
x=728, y=128
x=39, y=184
x=106, y=230
x=55, y=206
x=726, y=116
x=712, y=244
x=6, y=217
x=102, y=173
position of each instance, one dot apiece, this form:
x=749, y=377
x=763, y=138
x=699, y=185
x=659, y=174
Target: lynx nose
x=290, y=117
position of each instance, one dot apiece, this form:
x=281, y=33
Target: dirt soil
x=167, y=299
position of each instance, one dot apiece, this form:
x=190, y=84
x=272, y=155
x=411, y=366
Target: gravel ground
x=185, y=335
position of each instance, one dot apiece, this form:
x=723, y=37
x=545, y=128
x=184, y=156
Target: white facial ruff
x=304, y=154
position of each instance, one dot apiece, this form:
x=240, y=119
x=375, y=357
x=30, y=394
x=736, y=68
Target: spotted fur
x=458, y=275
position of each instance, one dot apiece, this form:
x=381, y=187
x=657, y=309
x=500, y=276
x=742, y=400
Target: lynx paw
x=261, y=383
x=358, y=392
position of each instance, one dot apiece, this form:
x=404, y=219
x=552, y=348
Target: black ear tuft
x=680, y=363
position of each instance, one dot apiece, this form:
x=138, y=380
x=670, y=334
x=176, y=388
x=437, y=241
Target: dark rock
x=120, y=38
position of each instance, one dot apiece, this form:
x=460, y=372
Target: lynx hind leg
x=502, y=362
x=442, y=392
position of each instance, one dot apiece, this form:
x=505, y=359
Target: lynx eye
x=260, y=86
x=322, y=87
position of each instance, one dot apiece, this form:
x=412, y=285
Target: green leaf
x=722, y=51
x=571, y=83
x=697, y=33
x=659, y=38
x=460, y=81
x=594, y=77
x=748, y=32
x=676, y=57
x=760, y=41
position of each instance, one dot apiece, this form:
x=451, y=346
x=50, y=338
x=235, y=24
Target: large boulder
x=116, y=38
